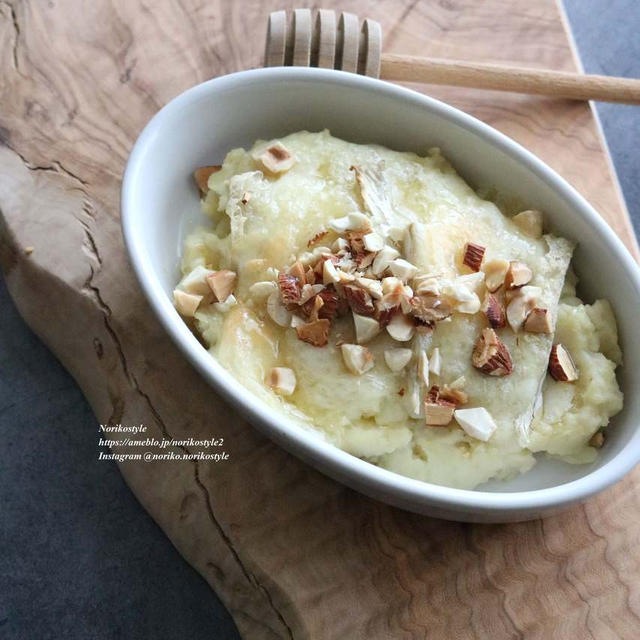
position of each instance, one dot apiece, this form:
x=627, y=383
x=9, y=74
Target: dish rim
x=287, y=430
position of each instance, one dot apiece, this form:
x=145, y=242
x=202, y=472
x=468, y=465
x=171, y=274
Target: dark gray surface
x=79, y=557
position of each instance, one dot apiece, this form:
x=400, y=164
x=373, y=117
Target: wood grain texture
x=291, y=553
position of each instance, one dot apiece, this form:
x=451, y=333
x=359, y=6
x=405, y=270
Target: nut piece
x=290, y=289
x=453, y=394
x=373, y=241
x=201, y=176
x=297, y=271
x=494, y=274
x=186, y=303
x=260, y=290
x=538, y=321
x=435, y=361
x=597, y=440
x=397, y=359
x=438, y=414
x=276, y=158
x=530, y=223
x=383, y=259
x=402, y=269
x=518, y=274
x=561, y=365
x=477, y=422
x=277, y=311
x=357, y=359
x=359, y=300
x=355, y=221
x=491, y=355
x=429, y=308
x=423, y=368
x=315, y=332
x=282, y=380
x=366, y=328
x=222, y=283
x=521, y=304
x=196, y=281
x=473, y=255
x=494, y=311
x=401, y=328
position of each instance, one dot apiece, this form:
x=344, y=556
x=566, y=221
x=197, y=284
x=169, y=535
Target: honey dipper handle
x=517, y=79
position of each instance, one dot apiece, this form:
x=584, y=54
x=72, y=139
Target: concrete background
x=80, y=558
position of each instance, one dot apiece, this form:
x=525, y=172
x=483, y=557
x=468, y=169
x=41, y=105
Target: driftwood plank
x=291, y=553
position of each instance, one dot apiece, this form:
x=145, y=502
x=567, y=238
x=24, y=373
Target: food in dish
x=373, y=296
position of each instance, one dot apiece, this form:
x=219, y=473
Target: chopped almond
x=438, y=414
x=201, y=176
x=222, y=283
x=359, y=300
x=452, y=394
x=276, y=158
x=435, y=361
x=522, y=302
x=372, y=287
x=473, y=255
x=397, y=359
x=282, y=380
x=494, y=274
x=356, y=358
x=429, y=308
x=597, y=440
x=290, y=289
x=297, y=271
x=316, y=305
x=260, y=290
x=373, y=241
x=246, y=196
x=401, y=328
x=186, y=303
x=402, y=269
x=491, y=355
x=317, y=238
x=530, y=223
x=277, y=311
x=561, y=365
x=329, y=308
x=476, y=422
x=366, y=328
x=383, y=259
x=315, y=332
x=494, y=311
x=518, y=274
x=538, y=321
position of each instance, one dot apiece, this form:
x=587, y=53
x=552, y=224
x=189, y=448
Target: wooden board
x=291, y=553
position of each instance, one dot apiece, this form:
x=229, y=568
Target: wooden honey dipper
x=347, y=47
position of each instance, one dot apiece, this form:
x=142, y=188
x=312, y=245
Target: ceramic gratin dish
x=160, y=205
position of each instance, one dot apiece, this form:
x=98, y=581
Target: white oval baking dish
x=159, y=205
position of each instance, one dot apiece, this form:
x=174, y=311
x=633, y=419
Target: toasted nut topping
x=538, y=321
x=357, y=359
x=329, y=308
x=597, y=440
x=383, y=259
x=315, y=307
x=359, y=300
x=426, y=286
x=473, y=255
x=452, y=394
x=246, y=196
x=477, y=422
x=397, y=359
x=373, y=241
x=401, y=328
x=530, y=223
x=282, y=380
x=494, y=311
x=260, y=290
x=222, y=283
x=276, y=158
x=201, y=176
x=355, y=221
x=435, y=361
x=277, y=311
x=309, y=291
x=329, y=273
x=495, y=272
x=340, y=244
x=429, y=308
x=438, y=414
x=297, y=271
x=423, y=368
x=186, y=303
x=523, y=301
x=372, y=287
x=315, y=332
x=366, y=328
x=317, y=238
x=518, y=274
x=196, y=281
x=491, y=355
x=402, y=269
x=290, y=289
x=561, y=365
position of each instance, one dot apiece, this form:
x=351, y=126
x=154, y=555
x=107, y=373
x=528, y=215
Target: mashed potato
x=267, y=219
